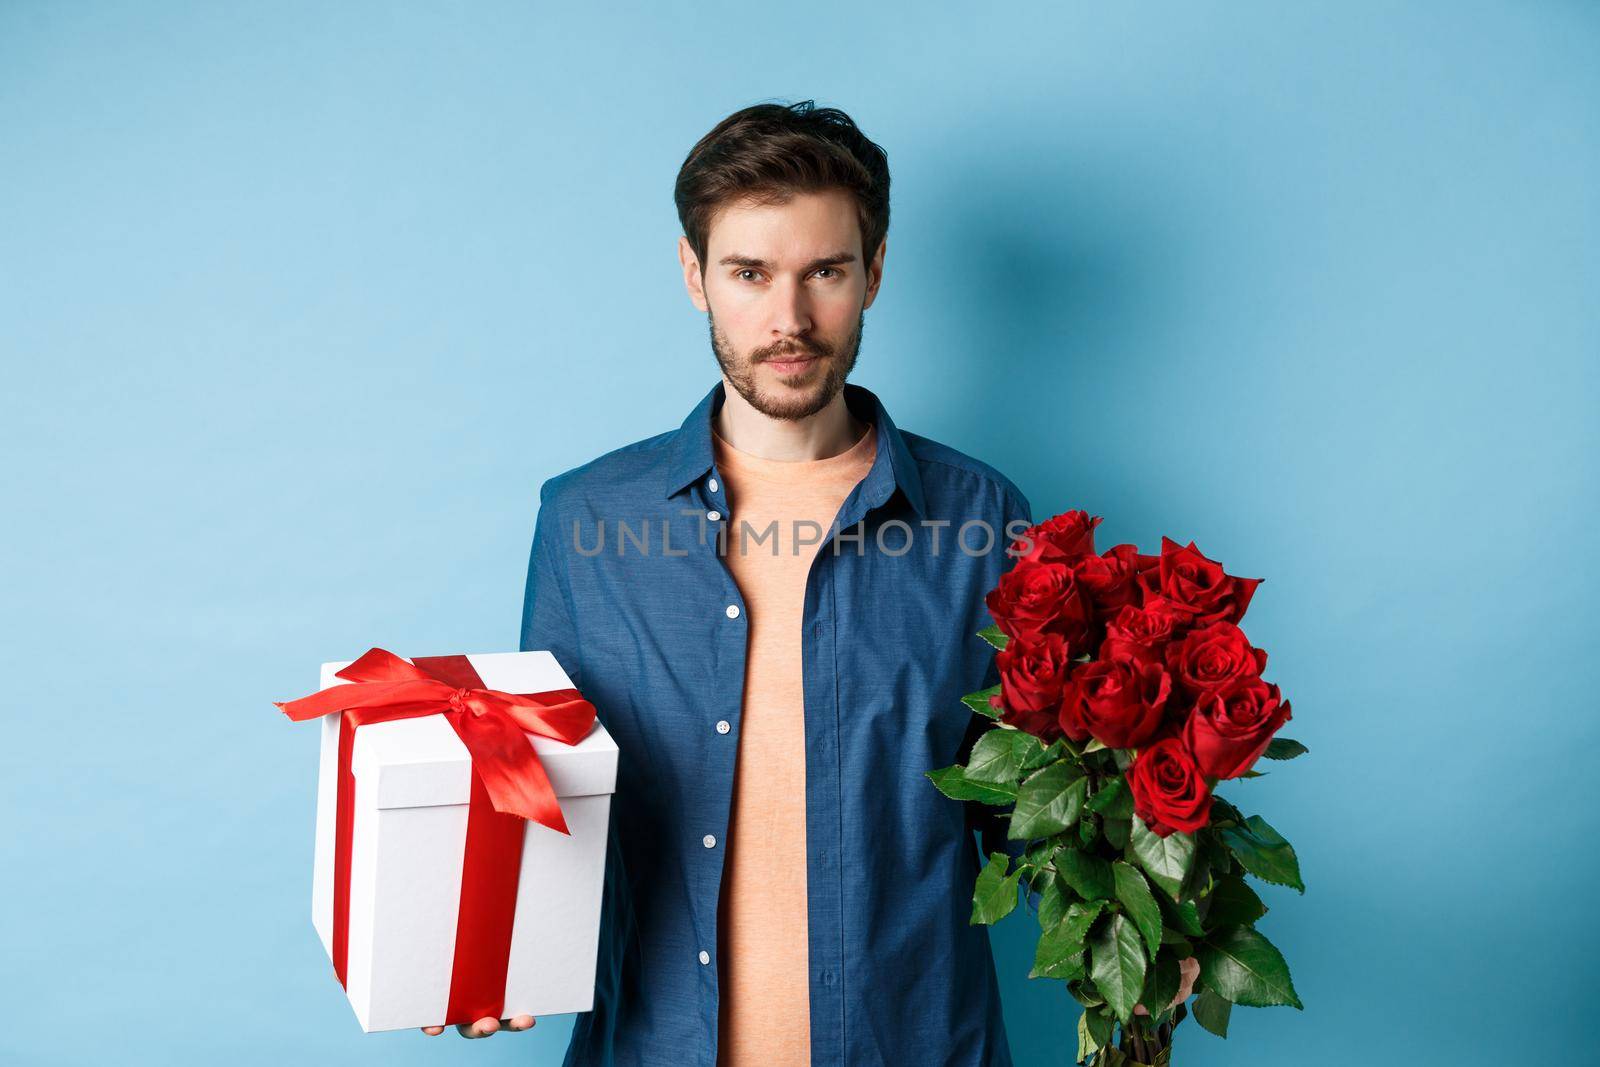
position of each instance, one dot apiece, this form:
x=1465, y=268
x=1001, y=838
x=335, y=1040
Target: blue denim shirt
x=652, y=628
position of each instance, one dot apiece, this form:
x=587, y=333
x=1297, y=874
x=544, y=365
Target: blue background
x=299, y=304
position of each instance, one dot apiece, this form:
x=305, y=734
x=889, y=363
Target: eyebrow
x=825, y=261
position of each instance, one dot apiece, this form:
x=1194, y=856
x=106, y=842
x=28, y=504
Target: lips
x=791, y=362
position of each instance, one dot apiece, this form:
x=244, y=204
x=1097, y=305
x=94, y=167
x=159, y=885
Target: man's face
x=785, y=292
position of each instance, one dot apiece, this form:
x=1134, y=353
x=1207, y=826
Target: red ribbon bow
x=493, y=725
x=509, y=785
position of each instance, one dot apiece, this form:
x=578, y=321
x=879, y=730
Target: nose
x=790, y=310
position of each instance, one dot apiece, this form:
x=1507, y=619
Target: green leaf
x=1181, y=915
x=1198, y=881
x=1212, y=1011
x=995, y=636
x=1179, y=943
x=1117, y=964
x=1089, y=875
x=1067, y=965
x=997, y=757
x=1060, y=950
x=1264, y=853
x=1113, y=800
x=995, y=893
x=979, y=702
x=1094, y=745
x=1082, y=914
x=1038, y=854
x=1165, y=859
x=1284, y=748
x=1094, y=1033
x=1233, y=903
x=1254, y=774
x=1042, y=754
x=1243, y=966
x=1116, y=831
x=1222, y=811
x=1138, y=903
x=952, y=781
x=1052, y=901
x=1048, y=802
x=1214, y=851
x=1161, y=982
x=1084, y=992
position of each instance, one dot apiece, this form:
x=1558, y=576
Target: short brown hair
x=767, y=153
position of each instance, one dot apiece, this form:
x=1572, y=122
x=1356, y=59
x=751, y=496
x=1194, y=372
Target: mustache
x=811, y=349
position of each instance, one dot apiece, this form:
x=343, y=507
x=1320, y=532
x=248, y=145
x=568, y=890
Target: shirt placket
x=824, y=811
x=724, y=709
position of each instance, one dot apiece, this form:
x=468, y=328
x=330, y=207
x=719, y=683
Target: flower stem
x=1135, y=1041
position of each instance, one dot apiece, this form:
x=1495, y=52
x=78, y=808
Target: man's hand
x=485, y=1027
x=1189, y=970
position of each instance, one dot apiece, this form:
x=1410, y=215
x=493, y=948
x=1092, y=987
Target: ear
x=691, y=274
x=875, y=274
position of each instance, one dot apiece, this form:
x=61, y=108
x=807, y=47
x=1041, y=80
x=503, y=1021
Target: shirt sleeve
x=548, y=619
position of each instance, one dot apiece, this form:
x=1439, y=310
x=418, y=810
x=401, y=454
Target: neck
x=828, y=433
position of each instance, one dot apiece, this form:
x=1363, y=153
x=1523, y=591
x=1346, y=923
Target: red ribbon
x=509, y=787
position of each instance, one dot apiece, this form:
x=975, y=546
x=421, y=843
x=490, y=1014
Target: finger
x=433, y=1031
x=1140, y=1009
x=481, y=1028
x=518, y=1022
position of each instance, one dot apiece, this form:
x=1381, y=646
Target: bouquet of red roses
x=1127, y=692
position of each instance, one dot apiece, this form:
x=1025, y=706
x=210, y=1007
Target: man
x=772, y=608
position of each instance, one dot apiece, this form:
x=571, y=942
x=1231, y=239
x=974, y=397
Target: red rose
x=1149, y=576
x=1040, y=598
x=1169, y=792
x=1197, y=586
x=1146, y=628
x=1059, y=539
x=1118, y=701
x=1108, y=578
x=1231, y=728
x=1212, y=658
x=1032, y=673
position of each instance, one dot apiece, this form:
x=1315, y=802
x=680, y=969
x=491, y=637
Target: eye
x=835, y=270
x=743, y=271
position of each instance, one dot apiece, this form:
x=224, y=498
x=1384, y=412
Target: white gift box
x=413, y=780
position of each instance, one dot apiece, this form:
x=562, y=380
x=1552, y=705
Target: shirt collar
x=689, y=455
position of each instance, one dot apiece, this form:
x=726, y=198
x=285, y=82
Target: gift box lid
x=420, y=762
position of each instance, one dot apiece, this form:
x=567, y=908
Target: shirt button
x=709, y=841
x=733, y=611
x=712, y=485
x=705, y=957
x=713, y=515
x=722, y=726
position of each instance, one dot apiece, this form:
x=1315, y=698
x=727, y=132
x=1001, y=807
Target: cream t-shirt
x=765, y=1005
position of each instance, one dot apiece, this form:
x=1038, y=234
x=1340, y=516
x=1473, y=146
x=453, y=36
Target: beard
x=792, y=403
